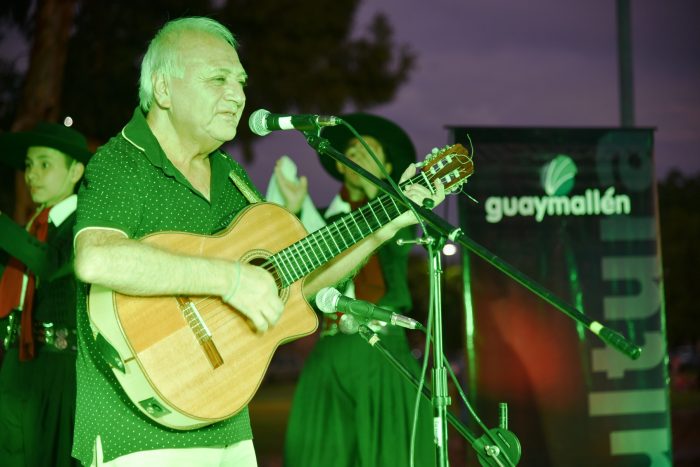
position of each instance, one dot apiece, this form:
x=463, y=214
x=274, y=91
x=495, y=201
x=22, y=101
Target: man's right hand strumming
x=254, y=294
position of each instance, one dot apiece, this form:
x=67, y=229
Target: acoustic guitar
x=187, y=362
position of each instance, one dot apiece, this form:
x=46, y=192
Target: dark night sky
x=529, y=63
x=532, y=63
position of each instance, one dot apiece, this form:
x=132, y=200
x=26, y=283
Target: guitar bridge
x=201, y=331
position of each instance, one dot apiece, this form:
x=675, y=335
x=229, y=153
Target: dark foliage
x=299, y=56
x=680, y=231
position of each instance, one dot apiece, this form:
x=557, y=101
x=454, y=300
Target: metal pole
x=624, y=54
x=441, y=398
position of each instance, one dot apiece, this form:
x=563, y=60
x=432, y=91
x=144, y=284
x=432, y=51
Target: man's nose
x=236, y=94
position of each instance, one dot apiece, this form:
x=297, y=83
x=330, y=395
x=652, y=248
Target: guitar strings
x=299, y=254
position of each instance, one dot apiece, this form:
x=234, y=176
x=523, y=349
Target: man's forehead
x=210, y=61
x=236, y=70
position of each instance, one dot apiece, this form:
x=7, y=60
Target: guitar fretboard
x=301, y=258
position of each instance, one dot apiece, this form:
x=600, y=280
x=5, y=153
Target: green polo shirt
x=130, y=185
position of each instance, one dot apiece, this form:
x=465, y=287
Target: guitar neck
x=451, y=166
x=303, y=257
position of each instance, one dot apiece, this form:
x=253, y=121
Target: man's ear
x=161, y=91
x=76, y=172
x=340, y=168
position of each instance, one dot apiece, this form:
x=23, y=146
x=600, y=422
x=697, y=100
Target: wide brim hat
x=13, y=146
x=398, y=147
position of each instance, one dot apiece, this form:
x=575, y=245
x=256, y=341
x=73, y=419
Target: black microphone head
x=256, y=122
x=327, y=299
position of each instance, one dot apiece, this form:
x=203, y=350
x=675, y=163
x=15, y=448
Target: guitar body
x=187, y=362
x=170, y=372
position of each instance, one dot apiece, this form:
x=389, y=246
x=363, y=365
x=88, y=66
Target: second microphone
x=329, y=300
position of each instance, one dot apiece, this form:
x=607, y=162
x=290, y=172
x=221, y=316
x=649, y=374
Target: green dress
x=351, y=407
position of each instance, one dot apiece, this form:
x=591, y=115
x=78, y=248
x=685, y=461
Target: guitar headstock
x=452, y=165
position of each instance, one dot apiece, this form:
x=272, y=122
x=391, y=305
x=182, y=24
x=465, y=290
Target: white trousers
x=241, y=454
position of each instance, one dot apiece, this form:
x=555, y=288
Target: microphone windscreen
x=256, y=122
x=326, y=299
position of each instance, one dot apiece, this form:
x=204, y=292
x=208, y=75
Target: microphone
x=329, y=300
x=262, y=122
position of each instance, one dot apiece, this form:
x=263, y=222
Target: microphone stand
x=374, y=340
x=444, y=230
x=490, y=452
x=441, y=398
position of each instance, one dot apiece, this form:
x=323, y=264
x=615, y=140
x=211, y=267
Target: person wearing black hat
x=351, y=407
x=37, y=298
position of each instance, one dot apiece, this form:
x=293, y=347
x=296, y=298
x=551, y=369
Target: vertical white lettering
x=615, y=363
x=654, y=443
x=644, y=300
x=627, y=402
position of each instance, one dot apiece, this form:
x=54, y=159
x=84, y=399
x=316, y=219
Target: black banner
x=576, y=211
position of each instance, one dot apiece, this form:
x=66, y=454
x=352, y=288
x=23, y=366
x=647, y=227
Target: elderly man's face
x=206, y=103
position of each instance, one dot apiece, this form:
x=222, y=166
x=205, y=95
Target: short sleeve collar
x=139, y=134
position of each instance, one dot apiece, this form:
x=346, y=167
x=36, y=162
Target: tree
x=85, y=60
x=41, y=94
x=680, y=230
x=296, y=63
x=101, y=87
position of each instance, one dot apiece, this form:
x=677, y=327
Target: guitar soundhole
x=259, y=258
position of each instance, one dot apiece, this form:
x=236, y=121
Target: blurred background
x=425, y=65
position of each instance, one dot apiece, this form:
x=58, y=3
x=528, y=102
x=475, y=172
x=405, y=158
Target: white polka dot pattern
x=139, y=193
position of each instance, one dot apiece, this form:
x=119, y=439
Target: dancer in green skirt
x=351, y=407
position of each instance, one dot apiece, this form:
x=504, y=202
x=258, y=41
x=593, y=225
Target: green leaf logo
x=557, y=176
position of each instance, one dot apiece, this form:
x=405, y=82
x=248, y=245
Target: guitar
x=187, y=362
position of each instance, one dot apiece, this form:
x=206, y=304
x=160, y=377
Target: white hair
x=162, y=56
